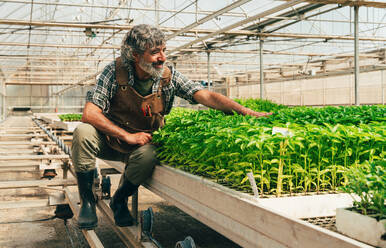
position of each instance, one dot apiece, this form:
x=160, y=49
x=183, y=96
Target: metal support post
x=208, y=70
x=156, y=12
x=356, y=53
x=382, y=87
x=4, y=101
x=196, y=11
x=261, y=68
x=134, y=206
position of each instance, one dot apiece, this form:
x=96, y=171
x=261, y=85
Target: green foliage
x=314, y=158
x=261, y=105
x=345, y=115
x=70, y=117
x=368, y=181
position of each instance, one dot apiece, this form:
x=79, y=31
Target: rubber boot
x=118, y=203
x=87, y=218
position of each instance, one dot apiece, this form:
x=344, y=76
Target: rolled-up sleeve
x=186, y=88
x=104, y=88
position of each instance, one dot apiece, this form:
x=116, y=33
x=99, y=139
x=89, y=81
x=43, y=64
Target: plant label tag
x=253, y=184
x=284, y=131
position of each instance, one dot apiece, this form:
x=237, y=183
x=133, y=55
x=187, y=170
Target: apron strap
x=121, y=73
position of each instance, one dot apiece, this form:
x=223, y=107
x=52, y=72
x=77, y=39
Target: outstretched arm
x=220, y=102
x=93, y=115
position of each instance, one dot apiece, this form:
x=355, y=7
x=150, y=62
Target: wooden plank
x=26, y=163
x=66, y=137
x=6, y=143
x=7, y=131
x=23, y=204
x=90, y=235
x=36, y=183
x=56, y=198
x=19, y=166
x=27, y=135
x=21, y=169
x=239, y=216
x=130, y=236
x=17, y=151
x=24, y=129
x=35, y=157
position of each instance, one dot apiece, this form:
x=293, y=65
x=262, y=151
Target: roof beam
x=237, y=24
x=318, y=36
x=57, y=45
x=203, y=12
x=49, y=58
x=105, y=26
x=363, y=3
x=207, y=18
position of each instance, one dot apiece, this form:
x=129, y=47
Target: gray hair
x=138, y=39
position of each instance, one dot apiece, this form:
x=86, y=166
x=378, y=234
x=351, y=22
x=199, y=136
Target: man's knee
x=145, y=154
x=84, y=147
x=141, y=163
x=83, y=132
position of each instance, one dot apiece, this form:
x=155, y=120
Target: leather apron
x=133, y=112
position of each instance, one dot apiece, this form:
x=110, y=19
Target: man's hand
x=140, y=138
x=259, y=114
x=217, y=101
x=93, y=115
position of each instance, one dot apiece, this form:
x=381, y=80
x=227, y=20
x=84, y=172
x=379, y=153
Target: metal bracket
x=106, y=187
x=188, y=242
x=147, y=220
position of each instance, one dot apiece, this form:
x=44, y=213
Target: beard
x=150, y=69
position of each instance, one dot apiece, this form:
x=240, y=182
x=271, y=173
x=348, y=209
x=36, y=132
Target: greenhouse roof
x=40, y=40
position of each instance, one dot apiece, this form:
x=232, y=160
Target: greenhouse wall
x=41, y=99
x=337, y=90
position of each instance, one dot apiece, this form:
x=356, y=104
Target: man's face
x=152, y=60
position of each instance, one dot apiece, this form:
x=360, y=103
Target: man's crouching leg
x=87, y=218
x=84, y=149
x=139, y=167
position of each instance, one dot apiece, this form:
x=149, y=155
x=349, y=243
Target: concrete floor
x=27, y=227
x=20, y=227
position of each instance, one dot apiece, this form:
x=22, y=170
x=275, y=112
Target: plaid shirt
x=107, y=85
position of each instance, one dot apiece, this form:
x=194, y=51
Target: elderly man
x=127, y=104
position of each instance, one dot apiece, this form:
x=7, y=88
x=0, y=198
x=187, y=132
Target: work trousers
x=88, y=144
